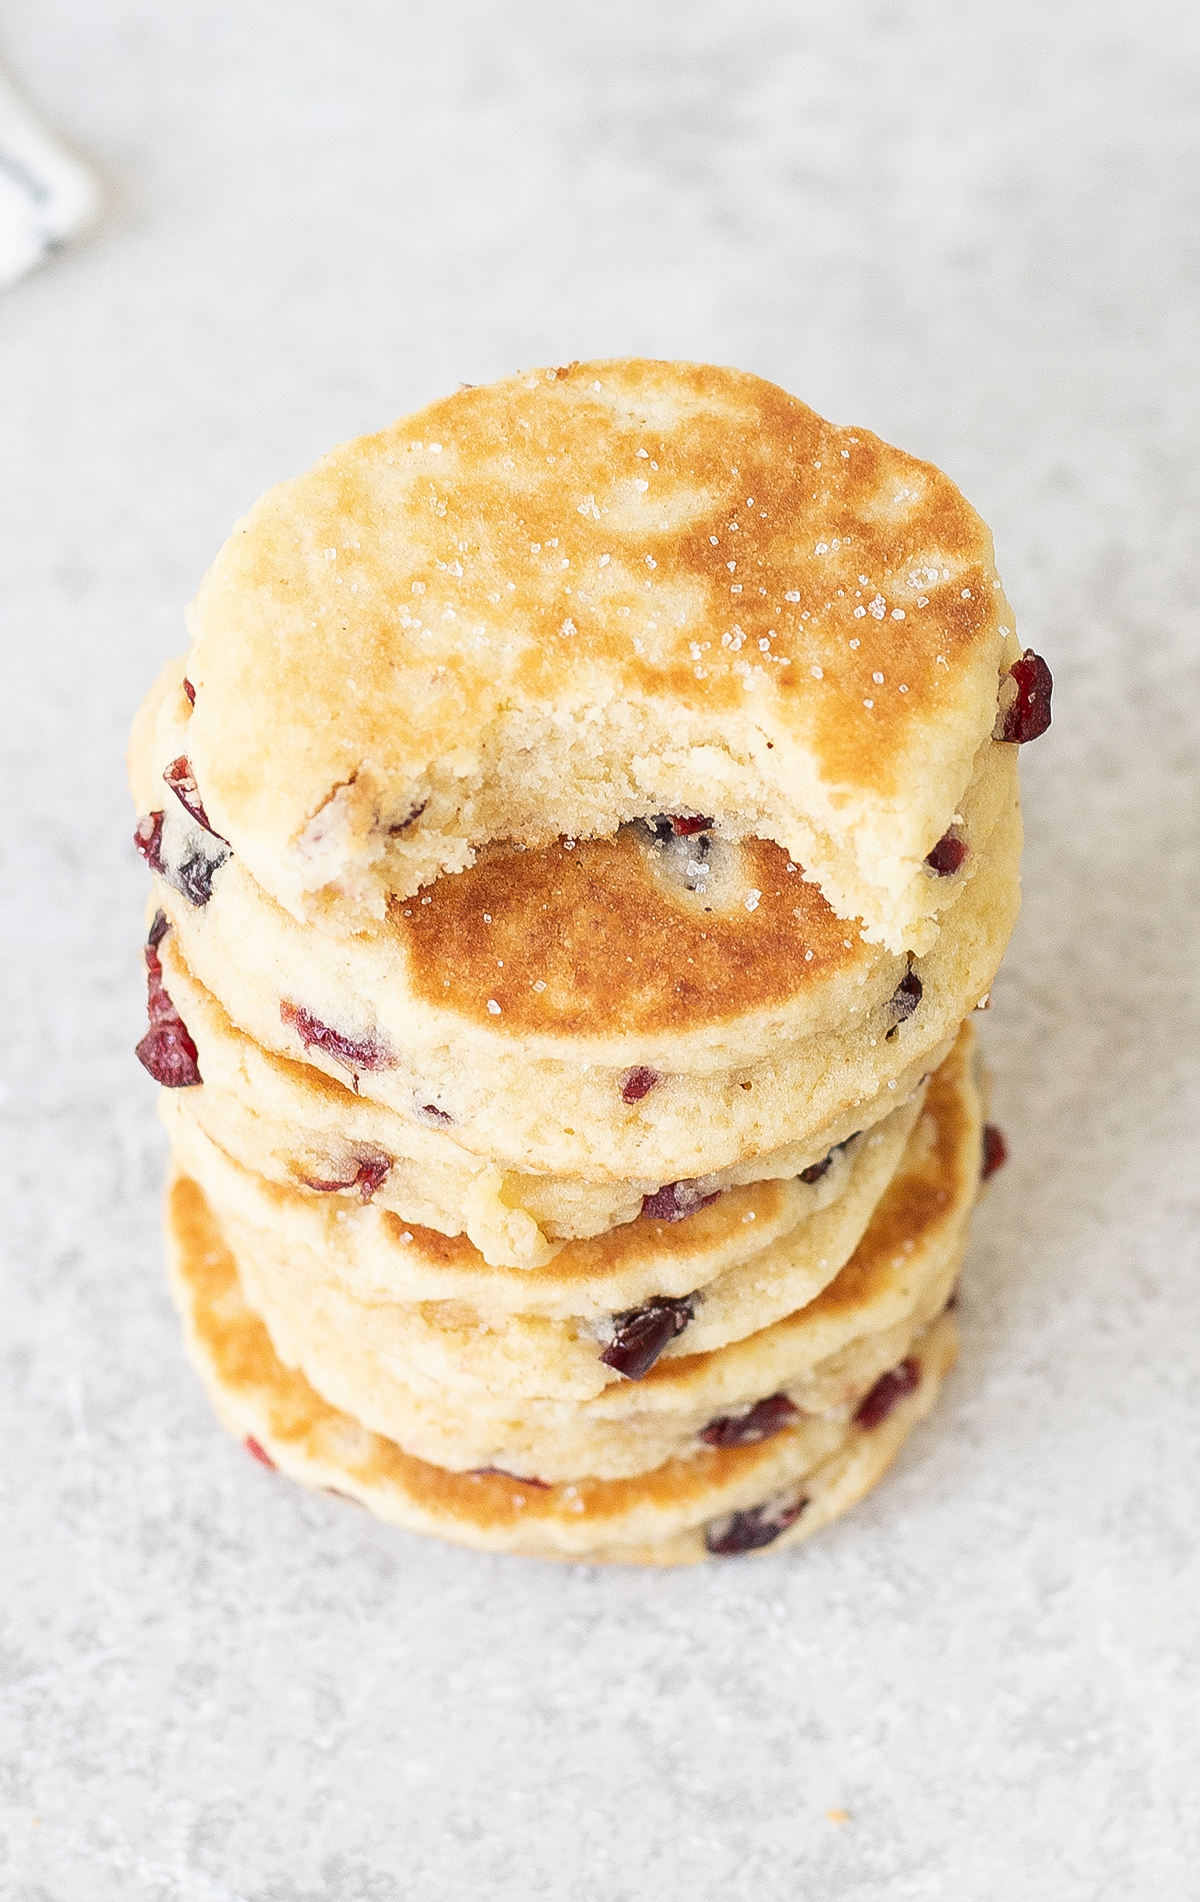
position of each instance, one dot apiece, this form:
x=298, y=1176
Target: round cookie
x=365, y=1355
x=625, y=1101
x=749, y=1256
x=719, y=1502
x=586, y=595
x=293, y=1125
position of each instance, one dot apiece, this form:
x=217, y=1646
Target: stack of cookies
x=581, y=829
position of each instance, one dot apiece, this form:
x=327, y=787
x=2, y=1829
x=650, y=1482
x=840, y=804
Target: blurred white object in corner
x=45, y=194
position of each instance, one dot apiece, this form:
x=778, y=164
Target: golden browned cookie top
x=579, y=937
x=589, y=594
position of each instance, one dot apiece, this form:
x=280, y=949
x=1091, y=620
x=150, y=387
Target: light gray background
x=976, y=229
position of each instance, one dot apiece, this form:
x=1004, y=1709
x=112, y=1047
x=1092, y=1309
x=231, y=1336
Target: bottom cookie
x=720, y=1501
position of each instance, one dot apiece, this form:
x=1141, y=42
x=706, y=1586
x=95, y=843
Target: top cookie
x=587, y=595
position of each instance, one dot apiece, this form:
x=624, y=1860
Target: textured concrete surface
x=977, y=230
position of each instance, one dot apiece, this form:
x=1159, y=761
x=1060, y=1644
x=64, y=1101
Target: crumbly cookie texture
x=582, y=596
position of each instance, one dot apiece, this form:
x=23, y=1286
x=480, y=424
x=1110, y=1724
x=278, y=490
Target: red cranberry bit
x=642, y=1334
x=166, y=1051
x=372, y=1174
x=947, y=855
x=194, y=877
x=995, y=1151
x=148, y=839
x=669, y=825
x=762, y=1422
x=638, y=1083
x=355, y=1054
x=395, y=831
x=182, y=781
x=750, y=1531
x=904, y=1001
x=435, y=1117
x=158, y=930
x=1029, y=715
x=889, y=1390
x=189, y=690
x=367, y=1177
x=259, y=1452
x=675, y=1201
x=816, y=1170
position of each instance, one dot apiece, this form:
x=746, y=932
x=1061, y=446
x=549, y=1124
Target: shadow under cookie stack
x=581, y=829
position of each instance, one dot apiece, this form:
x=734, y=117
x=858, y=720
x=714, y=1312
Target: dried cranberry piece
x=1029, y=715
x=367, y=1177
x=194, y=877
x=750, y=1531
x=158, y=930
x=675, y=1201
x=816, y=1170
x=147, y=837
x=189, y=690
x=995, y=1151
x=182, y=781
x=887, y=1393
x=435, y=1117
x=947, y=855
x=166, y=1051
x=668, y=825
x=395, y=831
x=904, y=1000
x=363, y=1053
x=642, y=1334
x=259, y=1452
x=761, y=1422
x=638, y=1083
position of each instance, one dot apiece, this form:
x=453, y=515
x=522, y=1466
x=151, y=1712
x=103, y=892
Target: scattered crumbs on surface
x=838, y=1816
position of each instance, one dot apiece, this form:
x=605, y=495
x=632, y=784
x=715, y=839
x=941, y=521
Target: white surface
x=975, y=230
